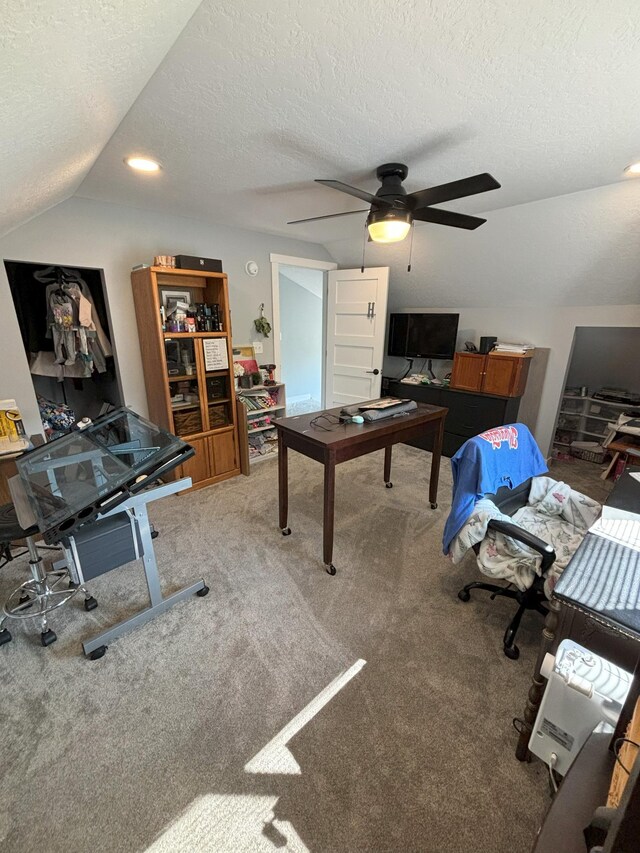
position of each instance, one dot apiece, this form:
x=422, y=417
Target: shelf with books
x=262, y=405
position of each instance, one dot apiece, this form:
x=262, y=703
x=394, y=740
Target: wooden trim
x=168, y=335
x=176, y=271
x=289, y=260
x=243, y=438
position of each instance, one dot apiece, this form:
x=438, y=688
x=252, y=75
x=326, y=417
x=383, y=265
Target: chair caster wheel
x=331, y=569
x=98, y=653
x=48, y=637
x=155, y=534
x=5, y=636
x=388, y=485
x=286, y=531
x=434, y=506
x=512, y=652
x=90, y=603
x=202, y=592
x=25, y=599
x=464, y=595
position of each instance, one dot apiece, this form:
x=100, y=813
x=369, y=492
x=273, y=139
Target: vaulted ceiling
x=254, y=99
x=69, y=72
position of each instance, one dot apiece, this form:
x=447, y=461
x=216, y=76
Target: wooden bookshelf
x=195, y=403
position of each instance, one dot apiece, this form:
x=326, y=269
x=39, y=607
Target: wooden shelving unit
x=268, y=445
x=195, y=403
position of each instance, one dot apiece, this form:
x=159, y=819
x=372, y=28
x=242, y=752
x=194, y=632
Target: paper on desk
x=635, y=476
x=618, y=525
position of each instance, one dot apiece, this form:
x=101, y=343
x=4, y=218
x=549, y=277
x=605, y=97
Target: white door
x=356, y=320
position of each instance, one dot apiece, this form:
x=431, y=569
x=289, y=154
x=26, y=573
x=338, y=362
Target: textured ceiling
x=256, y=99
x=68, y=75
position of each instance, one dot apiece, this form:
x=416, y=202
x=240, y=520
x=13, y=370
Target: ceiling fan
x=393, y=210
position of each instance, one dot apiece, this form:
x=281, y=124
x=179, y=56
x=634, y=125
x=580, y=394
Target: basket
x=187, y=423
x=593, y=454
x=218, y=417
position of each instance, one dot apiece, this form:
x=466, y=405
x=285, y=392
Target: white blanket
x=555, y=513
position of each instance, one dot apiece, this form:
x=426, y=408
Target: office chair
x=44, y=591
x=494, y=476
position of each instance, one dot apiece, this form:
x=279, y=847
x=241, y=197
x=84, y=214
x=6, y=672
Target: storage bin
x=589, y=452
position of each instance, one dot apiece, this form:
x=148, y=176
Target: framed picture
x=170, y=298
x=243, y=353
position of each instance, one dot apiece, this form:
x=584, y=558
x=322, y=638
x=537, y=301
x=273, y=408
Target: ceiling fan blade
x=327, y=216
x=448, y=217
x=456, y=189
x=354, y=191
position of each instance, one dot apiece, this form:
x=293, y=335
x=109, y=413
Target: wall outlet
x=257, y=347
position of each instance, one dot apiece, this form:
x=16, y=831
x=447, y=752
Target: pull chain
x=411, y=246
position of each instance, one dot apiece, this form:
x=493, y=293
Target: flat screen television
x=423, y=335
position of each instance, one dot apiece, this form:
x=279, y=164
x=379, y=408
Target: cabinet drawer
x=471, y=414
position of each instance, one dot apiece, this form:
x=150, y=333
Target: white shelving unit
x=267, y=445
x=584, y=419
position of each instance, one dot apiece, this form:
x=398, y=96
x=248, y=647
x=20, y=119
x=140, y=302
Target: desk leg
x=539, y=683
x=435, y=465
x=387, y=467
x=329, y=504
x=283, y=485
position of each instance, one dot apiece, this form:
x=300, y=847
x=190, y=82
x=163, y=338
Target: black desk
x=470, y=413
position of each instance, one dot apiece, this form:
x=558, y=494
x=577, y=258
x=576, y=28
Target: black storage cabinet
x=469, y=413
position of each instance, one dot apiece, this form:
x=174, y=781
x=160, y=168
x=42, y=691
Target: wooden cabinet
x=504, y=375
x=468, y=371
x=189, y=374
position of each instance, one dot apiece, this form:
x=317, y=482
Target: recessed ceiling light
x=142, y=164
x=633, y=169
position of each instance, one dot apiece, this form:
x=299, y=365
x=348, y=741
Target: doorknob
x=375, y=372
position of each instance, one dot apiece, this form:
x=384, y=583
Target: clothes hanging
x=79, y=342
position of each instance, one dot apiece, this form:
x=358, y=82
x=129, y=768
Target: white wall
x=85, y=233
x=301, y=349
x=543, y=327
x=533, y=273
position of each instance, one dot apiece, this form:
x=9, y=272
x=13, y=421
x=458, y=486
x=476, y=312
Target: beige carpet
x=174, y=741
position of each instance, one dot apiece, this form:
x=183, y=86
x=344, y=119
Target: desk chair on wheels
x=44, y=591
x=502, y=507
x=509, y=501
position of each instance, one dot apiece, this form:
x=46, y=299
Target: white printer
x=583, y=691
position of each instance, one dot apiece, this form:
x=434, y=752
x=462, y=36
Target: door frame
x=308, y=263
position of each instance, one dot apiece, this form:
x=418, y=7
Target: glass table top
x=68, y=479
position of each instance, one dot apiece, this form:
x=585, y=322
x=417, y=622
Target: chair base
x=530, y=599
x=43, y=592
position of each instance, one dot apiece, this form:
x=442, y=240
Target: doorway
x=601, y=384
x=299, y=308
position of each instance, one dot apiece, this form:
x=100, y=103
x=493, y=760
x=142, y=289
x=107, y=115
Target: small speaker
x=486, y=344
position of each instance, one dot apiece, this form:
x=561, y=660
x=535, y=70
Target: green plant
x=262, y=324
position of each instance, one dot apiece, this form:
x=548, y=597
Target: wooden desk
x=338, y=442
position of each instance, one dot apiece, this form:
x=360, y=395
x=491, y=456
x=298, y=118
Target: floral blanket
x=554, y=512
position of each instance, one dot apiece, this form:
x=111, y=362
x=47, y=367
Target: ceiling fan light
x=388, y=227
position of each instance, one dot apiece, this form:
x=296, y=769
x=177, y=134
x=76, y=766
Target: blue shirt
x=502, y=456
